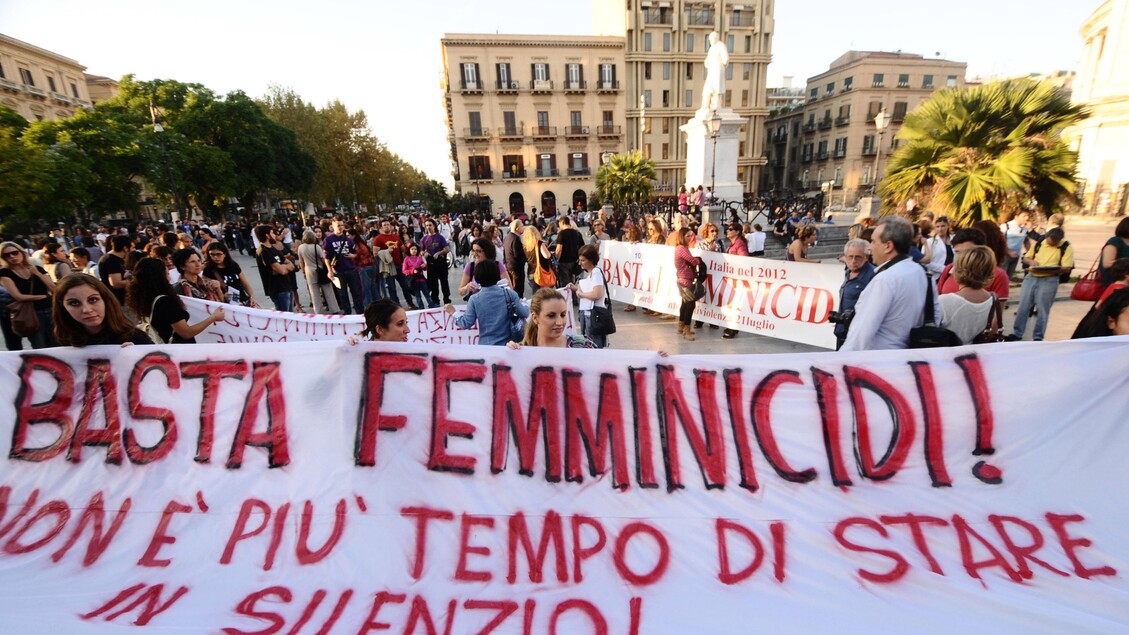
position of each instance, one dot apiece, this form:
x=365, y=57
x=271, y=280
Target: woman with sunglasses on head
x=26, y=282
x=221, y=267
x=86, y=313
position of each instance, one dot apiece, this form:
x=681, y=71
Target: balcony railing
x=577, y=131
x=839, y=154
x=483, y=175
x=658, y=17
x=547, y=173
x=825, y=124
x=542, y=85
x=507, y=86
x=38, y=92
x=821, y=156
x=876, y=84
x=780, y=137
x=579, y=171
x=516, y=174
x=809, y=127
x=903, y=84
x=607, y=86
x=806, y=157
x=544, y=131
x=575, y=87
x=842, y=121
x=869, y=152
x=470, y=87
x=476, y=133
x=608, y=131
x=897, y=117
x=60, y=97
x=516, y=132
x=742, y=20
x=700, y=18
x=8, y=84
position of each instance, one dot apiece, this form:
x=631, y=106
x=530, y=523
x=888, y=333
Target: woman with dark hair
x=738, y=246
x=993, y=239
x=798, y=250
x=1111, y=319
x=149, y=295
x=685, y=266
x=310, y=258
x=481, y=249
x=192, y=283
x=591, y=290
x=385, y=321
x=489, y=307
x=55, y=261
x=1116, y=247
x=548, y=317
x=222, y=268
x=86, y=313
x=25, y=282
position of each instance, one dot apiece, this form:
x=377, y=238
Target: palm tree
x=978, y=153
x=627, y=178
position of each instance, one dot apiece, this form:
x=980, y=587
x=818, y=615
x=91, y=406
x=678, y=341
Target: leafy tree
x=627, y=178
x=979, y=153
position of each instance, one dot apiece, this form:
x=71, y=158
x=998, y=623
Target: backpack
x=1062, y=277
x=146, y=324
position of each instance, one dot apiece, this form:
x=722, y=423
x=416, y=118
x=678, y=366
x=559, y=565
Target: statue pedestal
x=700, y=156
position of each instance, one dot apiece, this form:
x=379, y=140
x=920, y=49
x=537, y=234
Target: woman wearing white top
x=755, y=240
x=594, y=293
x=966, y=312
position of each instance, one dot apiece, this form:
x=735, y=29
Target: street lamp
x=715, y=127
x=881, y=120
x=605, y=160
x=642, y=120
x=473, y=169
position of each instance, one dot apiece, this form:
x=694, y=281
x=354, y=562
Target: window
x=666, y=125
x=689, y=70
x=746, y=71
x=575, y=119
x=838, y=177
x=647, y=98
x=821, y=149
x=543, y=121
x=470, y=75
x=728, y=99
x=951, y=81
x=866, y=175
x=829, y=90
x=646, y=41
x=729, y=42
x=475, y=123
x=578, y=162
x=25, y=77
x=647, y=150
x=872, y=110
x=575, y=73
x=666, y=70
x=841, y=147
x=729, y=72
x=666, y=99
x=479, y=167
x=540, y=72
x=689, y=98
x=744, y=98
x=2, y=75
x=689, y=42
x=74, y=90
x=666, y=151
x=608, y=118
x=899, y=111
x=514, y=166
x=848, y=83
x=868, y=144
x=813, y=94
x=509, y=121
x=647, y=70
x=505, y=77
x=546, y=164
x=666, y=42
x=903, y=80
x=748, y=44
x=879, y=78
x=607, y=75
x=927, y=81
x=51, y=84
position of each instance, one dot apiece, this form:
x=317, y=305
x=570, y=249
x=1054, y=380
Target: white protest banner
x=786, y=300
x=245, y=325
x=325, y=488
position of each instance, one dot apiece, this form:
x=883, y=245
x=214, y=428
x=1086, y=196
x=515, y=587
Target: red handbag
x=1089, y=287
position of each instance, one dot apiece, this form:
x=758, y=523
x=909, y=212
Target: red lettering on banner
x=94, y=514
x=377, y=367
x=56, y=509
x=29, y=504
x=607, y=436
x=239, y=532
x=211, y=372
x=462, y=573
x=551, y=533
x=901, y=566
x=859, y=379
x=54, y=411
x=304, y=554
x=148, y=600
x=544, y=417
x=599, y=624
x=422, y=516
x=136, y=452
x=916, y=522
x=378, y=602
x=1022, y=553
x=620, y=554
x=644, y=453
x=505, y=609
x=934, y=430
x=965, y=534
x=761, y=408
x=100, y=387
x=160, y=537
x=279, y=522
x=1070, y=544
x=580, y=553
x=708, y=448
x=419, y=612
x=725, y=574
x=977, y=382
x=779, y=555
x=735, y=401
x=443, y=426
x=826, y=392
x=266, y=388
x=247, y=607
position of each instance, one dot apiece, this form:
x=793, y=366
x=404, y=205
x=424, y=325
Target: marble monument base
x=709, y=160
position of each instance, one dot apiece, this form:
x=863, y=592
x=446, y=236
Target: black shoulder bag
x=931, y=334
x=602, y=321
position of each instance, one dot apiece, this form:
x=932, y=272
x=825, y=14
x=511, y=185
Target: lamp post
x=605, y=160
x=642, y=121
x=715, y=128
x=474, y=176
x=881, y=120
x=159, y=130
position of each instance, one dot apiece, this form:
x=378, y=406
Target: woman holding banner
x=548, y=316
x=86, y=313
x=686, y=266
x=385, y=321
x=490, y=306
x=150, y=296
x=221, y=267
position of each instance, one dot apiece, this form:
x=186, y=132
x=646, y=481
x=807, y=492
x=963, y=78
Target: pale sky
x=384, y=57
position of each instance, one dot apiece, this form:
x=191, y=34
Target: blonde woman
x=548, y=316
x=538, y=259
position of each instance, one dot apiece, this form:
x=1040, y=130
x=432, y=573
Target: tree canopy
x=626, y=178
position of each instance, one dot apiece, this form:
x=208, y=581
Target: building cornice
x=31, y=48
x=577, y=41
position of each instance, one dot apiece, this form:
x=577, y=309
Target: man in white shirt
x=1015, y=233
x=755, y=239
x=893, y=302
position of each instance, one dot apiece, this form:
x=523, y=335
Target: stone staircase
x=828, y=245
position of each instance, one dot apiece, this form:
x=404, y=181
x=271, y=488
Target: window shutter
x=532, y=73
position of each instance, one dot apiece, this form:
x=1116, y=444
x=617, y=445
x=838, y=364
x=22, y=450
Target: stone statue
x=716, y=61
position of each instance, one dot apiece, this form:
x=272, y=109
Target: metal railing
x=507, y=86
x=550, y=172
x=575, y=87
x=515, y=132
x=515, y=174
x=476, y=133
x=577, y=131
x=603, y=85
x=579, y=171
x=543, y=131
x=608, y=130
x=541, y=85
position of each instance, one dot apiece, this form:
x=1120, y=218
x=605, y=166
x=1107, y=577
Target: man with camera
x=893, y=303
x=859, y=272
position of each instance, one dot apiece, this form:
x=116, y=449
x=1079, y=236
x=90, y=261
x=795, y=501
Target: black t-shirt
x=30, y=286
x=109, y=337
x=273, y=283
x=167, y=311
x=229, y=276
x=110, y=264
x=570, y=241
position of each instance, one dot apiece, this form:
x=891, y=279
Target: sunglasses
x=9, y=254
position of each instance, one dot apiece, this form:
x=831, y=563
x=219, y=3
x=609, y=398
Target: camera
x=841, y=317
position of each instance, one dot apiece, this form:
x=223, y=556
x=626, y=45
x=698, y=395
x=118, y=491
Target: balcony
x=607, y=87
x=474, y=134
x=7, y=84
x=579, y=172
x=877, y=84
x=608, y=131
x=869, y=152
x=700, y=18
x=575, y=87
x=821, y=155
x=543, y=132
x=809, y=127
x=839, y=154
x=507, y=86
x=806, y=158
x=483, y=175
x=470, y=87
x=903, y=84
x=825, y=124
x=35, y=92
x=742, y=20
x=547, y=173
x=60, y=98
x=780, y=137
x=778, y=162
x=514, y=133
x=897, y=117
x=577, y=131
x=843, y=121
x=542, y=86
x=658, y=18
x=516, y=174
x=847, y=87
